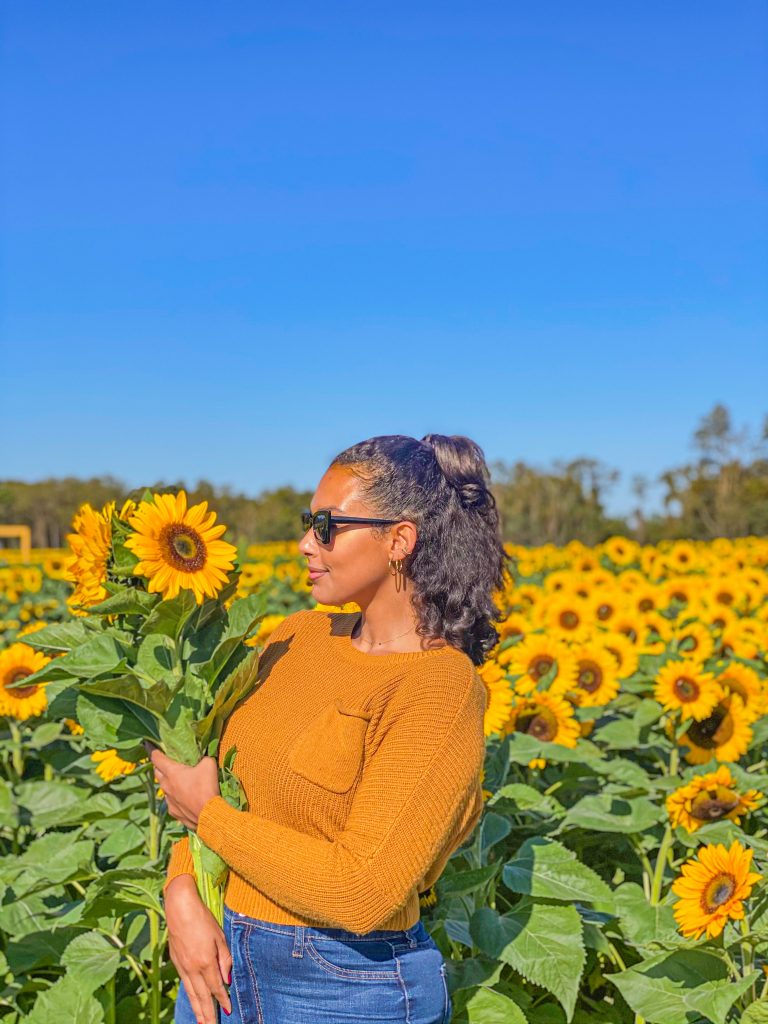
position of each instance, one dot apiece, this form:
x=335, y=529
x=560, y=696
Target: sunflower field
x=618, y=874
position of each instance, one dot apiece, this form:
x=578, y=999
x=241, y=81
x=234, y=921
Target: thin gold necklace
x=378, y=643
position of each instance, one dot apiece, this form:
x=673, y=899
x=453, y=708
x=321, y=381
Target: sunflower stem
x=17, y=750
x=747, y=954
x=155, y=992
x=661, y=860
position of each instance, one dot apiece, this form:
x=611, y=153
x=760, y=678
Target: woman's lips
x=314, y=573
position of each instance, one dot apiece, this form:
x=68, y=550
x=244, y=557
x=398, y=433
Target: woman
x=360, y=752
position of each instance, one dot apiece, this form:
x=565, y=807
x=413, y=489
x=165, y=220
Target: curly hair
x=440, y=483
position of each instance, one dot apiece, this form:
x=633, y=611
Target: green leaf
x=641, y=922
x=462, y=883
x=170, y=617
x=543, y=867
x=543, y=943
x=97, y=656
x=237, y=685
x=522, y=797
x=110, y=723
x=93, y=958
x=156, y=658
x=523, y=748
x=139, y=887
x=607, y=813
x=756, y=1013
x=61, y=636
x=680, y=987
x=493, y=828
x=49, y=860
x=128, y=690
x=126, y=601
x=487, y=1006
x=68, y=999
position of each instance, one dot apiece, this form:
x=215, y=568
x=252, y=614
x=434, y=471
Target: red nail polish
x=229, y=979
x=228, y=1012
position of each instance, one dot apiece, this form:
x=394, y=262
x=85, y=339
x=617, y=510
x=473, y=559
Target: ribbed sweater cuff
x=180, y=861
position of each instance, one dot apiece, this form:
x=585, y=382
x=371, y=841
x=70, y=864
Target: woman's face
x=354, y=562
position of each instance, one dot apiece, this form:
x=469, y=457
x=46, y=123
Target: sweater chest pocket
x=329, y=751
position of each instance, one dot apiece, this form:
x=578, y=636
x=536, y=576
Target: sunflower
x=685, y=687
x=566, y=615
x=682, y=557
x=597, y=681
x=177, y=547
x=710, y=797
x=725, y=734
x=514, y=625
x=711, y=887
x=545, y=716
x=744, y=681
x=266, y=627
x=109, y=764
x=742, y=638
x=74, y=727
x=499, y=697
x=694, y=640
x=91, y=544
x=16, y=663
x=535, y=657
x=621, y=550
x=623, y=650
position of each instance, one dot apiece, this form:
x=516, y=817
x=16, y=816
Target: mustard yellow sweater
x=362, y=774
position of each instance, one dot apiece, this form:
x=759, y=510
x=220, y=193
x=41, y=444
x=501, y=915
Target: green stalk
x=747, y=954
x=17, y=751
x=661, y=859
x=155, y=992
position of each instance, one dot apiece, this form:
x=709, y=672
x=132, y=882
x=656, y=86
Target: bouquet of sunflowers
x=156, y=649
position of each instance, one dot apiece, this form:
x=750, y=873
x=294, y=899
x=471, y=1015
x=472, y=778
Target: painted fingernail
x=228, y=1012
x=229, y=979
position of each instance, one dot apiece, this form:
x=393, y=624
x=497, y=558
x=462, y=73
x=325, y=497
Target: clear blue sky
x=236, y=241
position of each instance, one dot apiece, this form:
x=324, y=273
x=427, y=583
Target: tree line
x=721, y=492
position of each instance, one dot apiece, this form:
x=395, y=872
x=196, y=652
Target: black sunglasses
x=322, y=521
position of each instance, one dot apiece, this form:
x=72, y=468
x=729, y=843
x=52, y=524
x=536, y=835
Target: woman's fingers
x=225, y=959
x=216, y=986
x=203, y=1006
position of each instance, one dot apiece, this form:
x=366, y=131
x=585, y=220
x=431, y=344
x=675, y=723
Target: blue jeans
x=292, y=974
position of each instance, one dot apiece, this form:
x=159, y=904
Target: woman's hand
x=198, y=948
x=187, y=788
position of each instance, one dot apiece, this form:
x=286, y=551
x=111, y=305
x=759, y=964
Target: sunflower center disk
x=686, y=689
x=540, y=723
x=590, y=678
x=569, y=620
x=14, y=677
x=718, y=892
x=713, y=731
x=712, y=807
x=183, y=547
x=540, y=667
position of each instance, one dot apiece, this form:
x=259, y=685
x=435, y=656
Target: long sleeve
x=417, y=795
x=179, y=862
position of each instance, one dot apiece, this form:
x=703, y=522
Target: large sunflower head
x=724, y=735
x=685, y=687
x=177, y=547
x=711, y=888
x=710, y=797
x=545, y=716
x=16, y=663
x=535, y=657
x=597, y=681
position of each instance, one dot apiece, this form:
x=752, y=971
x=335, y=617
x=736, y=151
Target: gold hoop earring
x=396, y=569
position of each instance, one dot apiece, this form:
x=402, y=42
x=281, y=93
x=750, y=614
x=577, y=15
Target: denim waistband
x=417, y=932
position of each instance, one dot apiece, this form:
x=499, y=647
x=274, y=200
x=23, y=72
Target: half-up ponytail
x=458, y=563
